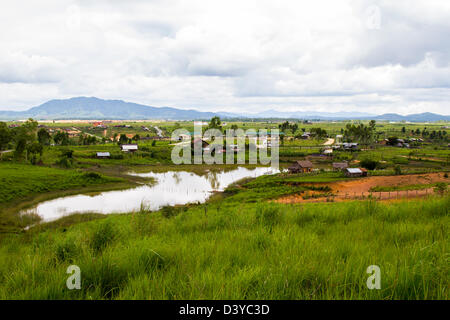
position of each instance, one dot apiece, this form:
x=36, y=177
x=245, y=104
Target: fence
x=384, y=195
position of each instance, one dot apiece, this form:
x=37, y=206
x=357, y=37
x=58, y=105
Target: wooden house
x=301, y=166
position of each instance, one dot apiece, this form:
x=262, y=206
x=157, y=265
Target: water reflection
x=171, y=188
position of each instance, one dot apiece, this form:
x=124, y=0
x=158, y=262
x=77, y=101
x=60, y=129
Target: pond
x=170, y=188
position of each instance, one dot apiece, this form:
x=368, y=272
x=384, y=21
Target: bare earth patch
x=359, y=188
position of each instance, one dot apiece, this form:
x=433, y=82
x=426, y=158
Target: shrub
x=102, y=236
x=169, y=211
x=66, y=250
x=397, y=170
x=369, y=164
x=65, y=162
x=440, y=188
x=92, y=175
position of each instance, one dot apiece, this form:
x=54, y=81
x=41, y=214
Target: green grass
x=246, y=251
x=23, y=185
x=19, y=181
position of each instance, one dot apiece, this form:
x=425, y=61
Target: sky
x=233, y=56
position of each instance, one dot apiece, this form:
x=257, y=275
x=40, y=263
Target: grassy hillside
x=249, y=251
x=22, y=185
x=17, y=181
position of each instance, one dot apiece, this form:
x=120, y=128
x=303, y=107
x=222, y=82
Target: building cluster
x=306, y=166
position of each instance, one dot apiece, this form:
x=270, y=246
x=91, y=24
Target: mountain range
x=90, y=108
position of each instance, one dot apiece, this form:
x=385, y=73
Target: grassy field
x=20, y=181
x=22, y=185
x=250, y=251
x=238, y=245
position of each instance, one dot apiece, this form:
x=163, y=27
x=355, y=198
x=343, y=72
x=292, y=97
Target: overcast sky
x=233, y=55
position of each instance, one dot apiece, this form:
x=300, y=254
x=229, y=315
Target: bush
x=65, y=251
x=397, y=170
x=369, y=164
x=103, y=235
x=92, y=175
x=169, y=211
x=65, y=162
x=440, y=188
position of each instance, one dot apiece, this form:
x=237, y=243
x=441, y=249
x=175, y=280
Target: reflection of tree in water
x=213, y=179
x=177, y=178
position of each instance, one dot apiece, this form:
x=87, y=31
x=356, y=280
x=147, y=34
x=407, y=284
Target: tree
x=319, y=133
x=123, y=139
x=5, y=136
x=369, y=164
x=61, y=138
x=361, y=133
x=43, y=137
x=392, y=141
x=66, y=158
x=215, y=123
x=34, y=149
x=24, y=136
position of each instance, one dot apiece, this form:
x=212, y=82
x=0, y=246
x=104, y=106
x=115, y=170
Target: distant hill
x=419, y=117
x=99, y=109
x=94, y=108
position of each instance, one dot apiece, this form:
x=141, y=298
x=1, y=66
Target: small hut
x=340, y=166
x=129, y=147
x=353, y=172
x=103, y=155
x=301, y=166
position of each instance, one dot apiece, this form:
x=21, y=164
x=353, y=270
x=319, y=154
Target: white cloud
x=229, y=55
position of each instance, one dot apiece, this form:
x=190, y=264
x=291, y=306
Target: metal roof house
x=355, y=172
x=350, y=145
x=103, y=155
x=129, y=147
x=301, y=166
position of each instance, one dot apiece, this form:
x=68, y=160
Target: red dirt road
x=359, y=188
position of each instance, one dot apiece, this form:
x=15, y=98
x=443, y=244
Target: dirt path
x=360, y=188
x=329, y=142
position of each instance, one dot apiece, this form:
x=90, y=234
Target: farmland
x=288, y=235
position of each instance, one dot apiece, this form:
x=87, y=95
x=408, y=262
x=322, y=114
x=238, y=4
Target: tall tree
x=44, y=137
x=215, y=123
x=5, y=135
x=24, y=136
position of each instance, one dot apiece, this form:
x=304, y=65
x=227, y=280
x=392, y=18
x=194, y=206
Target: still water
x=170, y=188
